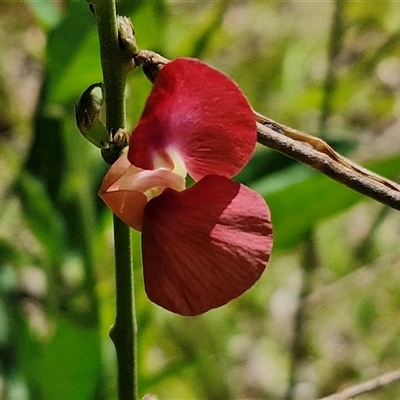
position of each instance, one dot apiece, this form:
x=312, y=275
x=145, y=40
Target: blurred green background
x=325, y=314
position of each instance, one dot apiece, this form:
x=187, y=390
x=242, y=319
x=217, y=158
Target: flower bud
x=117, y=144
x=87, y=113
x=126, y=36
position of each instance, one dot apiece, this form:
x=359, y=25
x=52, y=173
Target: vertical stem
x=335, y=42
x=112, y=64
x=297, y=351
x=310, y=261
x=123, y=332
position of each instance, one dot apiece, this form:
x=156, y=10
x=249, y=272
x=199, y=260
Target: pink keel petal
x=128, y=206
x=118, y=169
x=125, y=189
x=200, y=113
x=204, y=246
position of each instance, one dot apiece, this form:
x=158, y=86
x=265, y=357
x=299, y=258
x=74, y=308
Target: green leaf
x=68, y=42
x=66, y=82
x=299, y=198
x=147, y=20
x=42, y=217
x=68, y=367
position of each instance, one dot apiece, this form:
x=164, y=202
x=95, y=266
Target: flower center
x=168, y=160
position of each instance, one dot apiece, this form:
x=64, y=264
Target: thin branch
x=304, y=148
x=318, y=155
x=366, y=387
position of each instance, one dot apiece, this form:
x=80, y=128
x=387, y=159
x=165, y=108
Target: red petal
x=204, y=246
x=201, y=114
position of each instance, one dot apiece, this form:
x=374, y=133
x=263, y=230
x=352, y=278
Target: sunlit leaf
x=299, y=198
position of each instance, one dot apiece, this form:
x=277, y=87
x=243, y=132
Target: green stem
x=112, y=63
x=336, y=37
x=123, y=332
x=298, y=349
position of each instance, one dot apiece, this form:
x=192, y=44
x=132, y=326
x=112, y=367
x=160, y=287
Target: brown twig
x=366, y=387
x=318, y=155
x=304, y=148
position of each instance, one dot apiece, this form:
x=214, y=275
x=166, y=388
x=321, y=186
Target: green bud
x=87, y=113
x=117, y=145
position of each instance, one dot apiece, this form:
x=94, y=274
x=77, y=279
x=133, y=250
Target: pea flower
x=205, y=245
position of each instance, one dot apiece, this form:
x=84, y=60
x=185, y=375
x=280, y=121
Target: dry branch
x=366, y=387
x=318, y=155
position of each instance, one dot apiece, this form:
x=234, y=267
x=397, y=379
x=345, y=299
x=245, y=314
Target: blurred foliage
x=56, y=263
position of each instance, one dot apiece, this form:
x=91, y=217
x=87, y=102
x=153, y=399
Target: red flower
x=205, y=245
